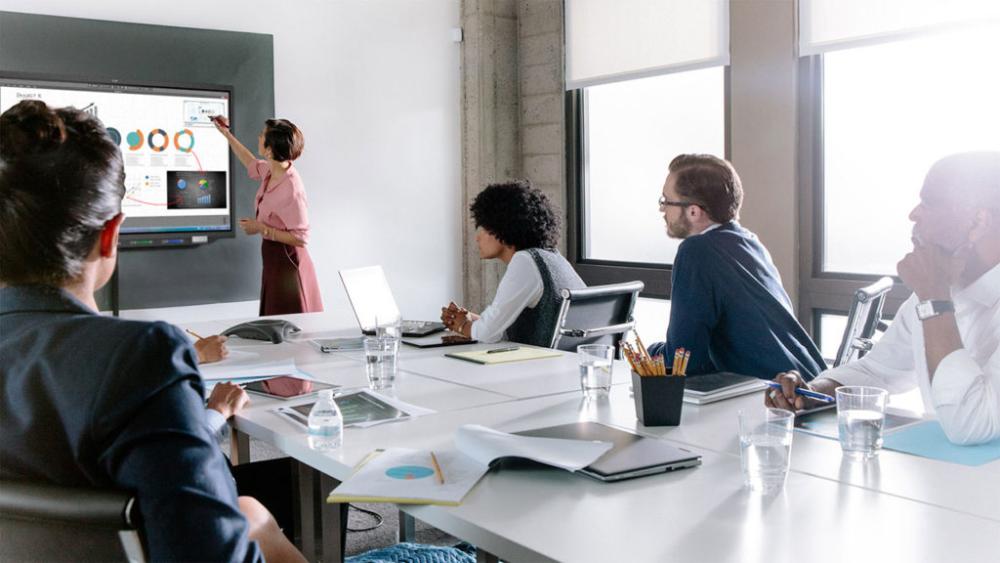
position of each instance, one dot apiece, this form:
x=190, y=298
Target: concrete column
x=542, y=95
x=491, y=147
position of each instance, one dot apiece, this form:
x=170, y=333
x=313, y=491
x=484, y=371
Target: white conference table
x=900, y=507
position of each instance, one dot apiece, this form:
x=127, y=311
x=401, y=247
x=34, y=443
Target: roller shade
x=827, y=25
x=615, y=40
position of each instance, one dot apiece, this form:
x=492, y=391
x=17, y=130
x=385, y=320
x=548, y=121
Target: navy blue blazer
x=93, y=400
x=727, y=306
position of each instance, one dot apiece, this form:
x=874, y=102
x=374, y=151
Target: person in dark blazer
x=90, y=400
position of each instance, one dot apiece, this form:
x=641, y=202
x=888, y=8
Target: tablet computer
x=287, y=387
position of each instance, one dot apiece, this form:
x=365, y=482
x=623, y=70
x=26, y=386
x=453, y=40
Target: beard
x=679, y=229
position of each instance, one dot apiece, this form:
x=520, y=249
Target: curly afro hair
x=517, y=214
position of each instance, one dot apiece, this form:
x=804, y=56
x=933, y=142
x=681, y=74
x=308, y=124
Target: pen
x=194, y=334
x=806, y=393
x=498, y=350
x=437, y=469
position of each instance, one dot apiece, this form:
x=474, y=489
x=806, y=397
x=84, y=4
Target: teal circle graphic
x=134, y=139
x=116, y=137
x=409, y=472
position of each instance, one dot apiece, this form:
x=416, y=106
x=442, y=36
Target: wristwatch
x=932, y=308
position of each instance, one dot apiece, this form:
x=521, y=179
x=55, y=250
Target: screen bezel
x=164, y=239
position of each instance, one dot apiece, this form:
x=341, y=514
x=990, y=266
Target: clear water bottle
x=326, y=425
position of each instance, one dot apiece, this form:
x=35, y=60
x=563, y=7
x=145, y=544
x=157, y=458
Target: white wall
x=374, y=84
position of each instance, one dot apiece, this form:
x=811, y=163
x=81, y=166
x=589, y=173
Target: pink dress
x=288, y=280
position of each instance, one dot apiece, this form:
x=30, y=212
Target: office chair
x=43, y=522
x=600, y=314
x=864, y=318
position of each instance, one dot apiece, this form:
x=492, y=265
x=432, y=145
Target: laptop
x=373, y=303
x=631, y=456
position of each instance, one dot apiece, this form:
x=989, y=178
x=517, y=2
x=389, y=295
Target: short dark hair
x=284, y=139
x=61, y=180
x=517, y=214
x=711, y=182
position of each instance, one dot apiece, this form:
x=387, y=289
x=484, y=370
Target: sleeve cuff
x=214, y=419
x=956, y=373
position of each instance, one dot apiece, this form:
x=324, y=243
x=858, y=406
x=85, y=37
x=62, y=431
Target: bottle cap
x=326, y=394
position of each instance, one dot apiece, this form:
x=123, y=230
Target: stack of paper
x=244, y=367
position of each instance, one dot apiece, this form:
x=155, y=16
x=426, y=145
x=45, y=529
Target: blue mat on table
x=928, y=440
x=415, y=553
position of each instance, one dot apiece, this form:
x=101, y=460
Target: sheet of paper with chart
x=407, y=476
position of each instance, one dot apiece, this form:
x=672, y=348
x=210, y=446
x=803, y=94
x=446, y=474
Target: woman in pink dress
x=288, y=280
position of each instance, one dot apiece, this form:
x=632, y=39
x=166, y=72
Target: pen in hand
x=806, y=393
x=194, y=334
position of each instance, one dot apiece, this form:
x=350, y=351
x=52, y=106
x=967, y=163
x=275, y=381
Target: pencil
x=437, y=469
x=194, y=334
x=687, y=358
x=642, y=347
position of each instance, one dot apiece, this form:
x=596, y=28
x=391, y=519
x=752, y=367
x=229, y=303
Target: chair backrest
x=864, y=318
x=595, y=315
x=43, y=522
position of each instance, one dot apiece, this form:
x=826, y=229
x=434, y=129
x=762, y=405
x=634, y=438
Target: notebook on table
x=505, y=354
x=712, y=387
x=631, y=455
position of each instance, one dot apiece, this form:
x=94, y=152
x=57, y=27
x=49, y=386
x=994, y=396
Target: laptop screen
x=370, y=296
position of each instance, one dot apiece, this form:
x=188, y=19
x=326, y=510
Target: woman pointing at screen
x=288, y=280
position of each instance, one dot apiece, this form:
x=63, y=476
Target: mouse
x=274, y=330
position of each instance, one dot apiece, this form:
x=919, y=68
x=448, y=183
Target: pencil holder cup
x=658, y=399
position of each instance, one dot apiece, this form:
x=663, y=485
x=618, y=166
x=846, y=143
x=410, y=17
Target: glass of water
x=765, y=447
x=381, y=355
x=860, y=414
x=597, y=363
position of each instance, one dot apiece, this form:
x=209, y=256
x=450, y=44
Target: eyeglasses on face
x=664, y=202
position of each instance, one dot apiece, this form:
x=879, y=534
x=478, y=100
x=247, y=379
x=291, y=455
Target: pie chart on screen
x=116, y=137
x=184, y=140
x=134, y=140
x=182, y=184
x=153, y=141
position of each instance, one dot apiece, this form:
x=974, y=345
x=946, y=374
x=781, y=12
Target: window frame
x=822, y=291
x=655, y=276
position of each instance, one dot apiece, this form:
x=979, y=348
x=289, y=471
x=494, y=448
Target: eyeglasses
x=664, y=202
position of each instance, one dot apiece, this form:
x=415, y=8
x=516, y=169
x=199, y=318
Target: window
x=628, y=132
x=874, y=119
x=890, y=111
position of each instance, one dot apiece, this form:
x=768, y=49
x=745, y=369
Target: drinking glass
x=596, y=368
x=860, y=415
x=765, y=447
x=381, y=354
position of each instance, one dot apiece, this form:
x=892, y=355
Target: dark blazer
x=729, y=309
x=89, y=400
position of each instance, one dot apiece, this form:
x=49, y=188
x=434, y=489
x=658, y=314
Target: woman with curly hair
x=517, y=224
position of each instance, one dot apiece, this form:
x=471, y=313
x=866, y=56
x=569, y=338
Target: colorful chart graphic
x=182, y=184
x=203, y=184
x=409, y=472
x=188, y=144
x=134, y=140
x=152, y=142
x=116, y=137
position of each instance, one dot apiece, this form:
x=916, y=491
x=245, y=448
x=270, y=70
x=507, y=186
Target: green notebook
x=522, y=353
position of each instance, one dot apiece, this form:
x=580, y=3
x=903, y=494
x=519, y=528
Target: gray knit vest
x=534, y=326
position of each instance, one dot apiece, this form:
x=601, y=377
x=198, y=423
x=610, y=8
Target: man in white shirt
x=945, y=338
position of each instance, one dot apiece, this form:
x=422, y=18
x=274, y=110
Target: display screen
x=177, y=176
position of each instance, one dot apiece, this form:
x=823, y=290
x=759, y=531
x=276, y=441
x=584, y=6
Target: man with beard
x=945, y=339
x=728, y=308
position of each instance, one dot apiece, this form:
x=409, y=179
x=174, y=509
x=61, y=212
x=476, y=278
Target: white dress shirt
x=965, y=392
x=521, y=287
x=215, y=420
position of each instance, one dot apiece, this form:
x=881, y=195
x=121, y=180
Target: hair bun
x=30, y=127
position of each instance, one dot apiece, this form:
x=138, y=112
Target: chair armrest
x=599, y=331
x=93, y=507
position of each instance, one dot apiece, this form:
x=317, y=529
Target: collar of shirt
x=289, y=172
x=30, y=298
x=985, y=290
x=711, y=227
